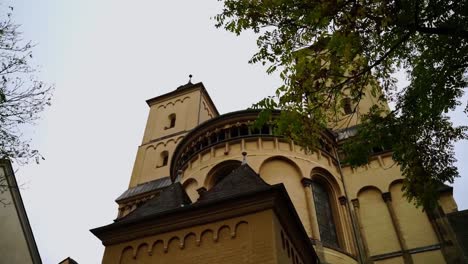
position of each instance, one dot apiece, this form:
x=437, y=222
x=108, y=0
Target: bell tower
x=171, y=116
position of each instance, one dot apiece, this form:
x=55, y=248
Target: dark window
x=377, y=149
x=222, y=135
x=255, y=131
x=183, y=158
x=213, y=138
x=205, y=142
x=234, y=132
x=324, y=215
x=172, y=119
x=164, y=158
x=347, y=106
x=244, y=130
x=190, y=152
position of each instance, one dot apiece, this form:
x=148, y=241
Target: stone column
x=366, y=258
x=347, y=225
x=387, y=197
x=307, y=183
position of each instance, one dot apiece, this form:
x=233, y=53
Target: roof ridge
x=172, y=197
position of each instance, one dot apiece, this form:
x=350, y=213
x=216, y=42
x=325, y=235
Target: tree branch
x=445, y=31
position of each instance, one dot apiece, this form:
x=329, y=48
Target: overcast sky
x=106, y=58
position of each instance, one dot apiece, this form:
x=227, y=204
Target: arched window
x=163, y=159
x=172, y=120
x=324, y=212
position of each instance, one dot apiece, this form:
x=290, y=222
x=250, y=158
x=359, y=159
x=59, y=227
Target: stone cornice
x=274, y=198
x=182, y=217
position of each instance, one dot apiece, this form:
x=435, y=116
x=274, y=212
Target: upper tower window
x=164, y=159
x=172, y=120
x=347, y=106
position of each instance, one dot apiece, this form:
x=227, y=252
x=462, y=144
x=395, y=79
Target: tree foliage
x=327, y=50
x=22, y=96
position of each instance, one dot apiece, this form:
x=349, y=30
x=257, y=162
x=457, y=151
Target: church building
x=211, y=188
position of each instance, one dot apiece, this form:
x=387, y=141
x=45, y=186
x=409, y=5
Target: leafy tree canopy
x=328, y=50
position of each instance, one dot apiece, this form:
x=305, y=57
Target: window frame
x=164, y=159
x=331, y=222
x=172, y=121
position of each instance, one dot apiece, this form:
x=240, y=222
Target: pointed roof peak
x=241, y=180
x=188, y=84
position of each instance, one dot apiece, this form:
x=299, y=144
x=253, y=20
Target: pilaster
x=387, y=197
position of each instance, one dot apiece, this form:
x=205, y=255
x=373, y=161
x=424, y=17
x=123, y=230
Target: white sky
x=106, y=58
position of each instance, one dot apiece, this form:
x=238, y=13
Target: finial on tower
x=190, y=78
x=244, y=158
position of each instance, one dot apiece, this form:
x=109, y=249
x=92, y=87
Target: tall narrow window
x=324, y=215
x=172, y=119
x=164, y=159
x=347, y=106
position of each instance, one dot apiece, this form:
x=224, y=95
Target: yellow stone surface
x=256, y=238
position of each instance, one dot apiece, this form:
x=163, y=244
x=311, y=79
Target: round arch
x=367, y=188
x=323, y=176
x=393, y=183
x=219, y=171
x=281, y=158
x=282, y=170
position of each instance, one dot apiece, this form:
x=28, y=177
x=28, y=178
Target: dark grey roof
x=68, y=260
x=145, y=187
x=172, y=197
x=459, y=222
x=241, y=180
